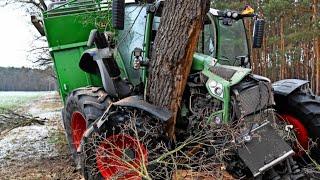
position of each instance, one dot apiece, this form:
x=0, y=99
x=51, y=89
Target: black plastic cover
x=287, y=86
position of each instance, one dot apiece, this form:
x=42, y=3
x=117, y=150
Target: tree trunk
x=175, y=44
x=282, y=46
x=316, y=48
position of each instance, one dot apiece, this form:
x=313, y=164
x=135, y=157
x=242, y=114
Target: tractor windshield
x=232, y=42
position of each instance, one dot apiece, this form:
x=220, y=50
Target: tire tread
x=91, y=102
x=306, y=107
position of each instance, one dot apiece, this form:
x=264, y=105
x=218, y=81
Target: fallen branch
x=10, y=119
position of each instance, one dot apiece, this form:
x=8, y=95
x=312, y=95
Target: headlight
x=229, y=13
x=234, y=15
x=215, y=88
x=218, y=91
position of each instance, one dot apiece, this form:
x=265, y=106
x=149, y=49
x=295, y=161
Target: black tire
x=305, y=107
x=91, y=102
x=117, y=123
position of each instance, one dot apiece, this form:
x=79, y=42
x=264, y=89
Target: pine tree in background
x=291, y=46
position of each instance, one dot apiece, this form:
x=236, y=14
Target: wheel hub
x=120, y=156
x=128, y=155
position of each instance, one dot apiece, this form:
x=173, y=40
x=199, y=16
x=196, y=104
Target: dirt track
x=37, y=151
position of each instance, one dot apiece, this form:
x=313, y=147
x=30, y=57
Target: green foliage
x=227, y=4
x=290, y=32
x=296, y=14
x=275, y=8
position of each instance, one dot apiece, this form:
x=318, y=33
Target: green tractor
x=102, y=72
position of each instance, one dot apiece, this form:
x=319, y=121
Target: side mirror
x=258, y=31
x=118, y=14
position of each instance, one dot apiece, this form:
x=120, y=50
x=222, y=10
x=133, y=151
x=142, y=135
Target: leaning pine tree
x=171, y=61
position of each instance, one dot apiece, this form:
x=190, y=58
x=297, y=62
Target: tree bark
x=316, y=48
x=282, y=50
x=175, y=44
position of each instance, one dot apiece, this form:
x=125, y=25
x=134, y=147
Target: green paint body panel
x=70, y=76
x=67, y=29
x=72, y=22
x=147, y=45
x=237, y=77
x=204, y=62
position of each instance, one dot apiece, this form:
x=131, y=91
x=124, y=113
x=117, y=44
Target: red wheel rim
x=118, y=156
x=300, y=131
x=78, y=127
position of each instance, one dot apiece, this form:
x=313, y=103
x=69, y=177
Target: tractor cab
x=224, y=35
x=225, y=38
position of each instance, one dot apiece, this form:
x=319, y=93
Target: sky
x=16, y=37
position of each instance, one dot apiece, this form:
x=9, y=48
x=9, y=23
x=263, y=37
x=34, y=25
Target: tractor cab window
x=132, y=37
x=232, y=44
x=207, y=40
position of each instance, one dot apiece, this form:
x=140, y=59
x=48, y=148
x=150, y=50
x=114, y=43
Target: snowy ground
x=29, y=142
x=36, y=151
x=16, y=98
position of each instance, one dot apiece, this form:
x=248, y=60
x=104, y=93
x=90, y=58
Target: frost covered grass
x=12, y=99
x=26, y=142
x=19, y=140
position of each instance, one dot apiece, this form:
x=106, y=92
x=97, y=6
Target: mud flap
x=263, y=148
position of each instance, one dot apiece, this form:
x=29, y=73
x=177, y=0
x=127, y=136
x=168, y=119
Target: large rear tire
x=83, y=106
x=305, y=107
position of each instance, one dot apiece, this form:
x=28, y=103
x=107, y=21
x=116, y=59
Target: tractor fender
x=287, y=86
x=131, y=101
x=138, y=102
